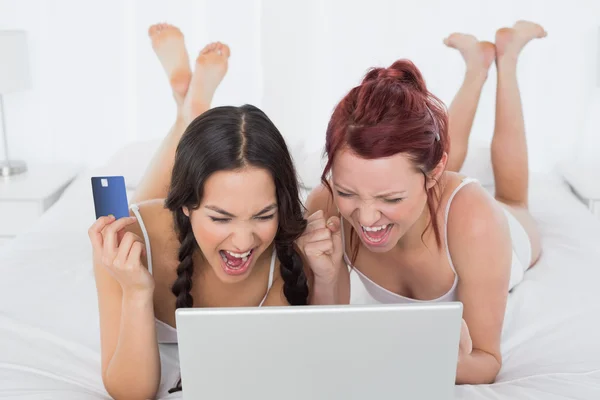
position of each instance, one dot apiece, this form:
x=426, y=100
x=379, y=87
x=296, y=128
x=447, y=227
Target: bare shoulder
x=158, y=222
x=320, y=198
x=474, y=217
x=473, y=208
x=153, y=215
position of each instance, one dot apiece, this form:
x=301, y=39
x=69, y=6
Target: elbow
x=122, y=389
x=478, y=370
x=489, y=378
x=495, y=366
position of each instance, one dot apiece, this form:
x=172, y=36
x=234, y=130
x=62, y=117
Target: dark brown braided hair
x=230, y=138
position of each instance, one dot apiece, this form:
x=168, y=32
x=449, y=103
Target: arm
x=324, y=291
x=480, y=246
x=129, y=348
x=132, y=371
x=334, y=292
x=157, y=177
x=333, y=285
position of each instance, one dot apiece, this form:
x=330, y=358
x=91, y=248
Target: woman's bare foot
x=478, y=55
x=510, y=41
x=211, y=67
x=169, y=46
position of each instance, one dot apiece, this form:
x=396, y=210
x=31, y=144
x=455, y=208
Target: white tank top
x=365, y=291
x=165, y=333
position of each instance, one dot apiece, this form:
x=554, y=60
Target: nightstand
x=25, y=197
x=584, y=180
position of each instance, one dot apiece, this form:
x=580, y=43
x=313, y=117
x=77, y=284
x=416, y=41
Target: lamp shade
x=14, y=62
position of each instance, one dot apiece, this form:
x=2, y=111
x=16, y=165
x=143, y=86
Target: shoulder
x=472, y=209
x=320, y=198
x=153, y=214
x=158, y=223
x=475, y=219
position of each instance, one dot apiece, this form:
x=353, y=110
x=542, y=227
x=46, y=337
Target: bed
x=49, y=332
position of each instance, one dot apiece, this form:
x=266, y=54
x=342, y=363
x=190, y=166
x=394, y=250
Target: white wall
x=97, y=84
x=77, y=98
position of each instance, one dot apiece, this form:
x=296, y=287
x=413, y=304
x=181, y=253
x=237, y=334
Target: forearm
x=331, y=291
x=134, y=370
x=477, y=368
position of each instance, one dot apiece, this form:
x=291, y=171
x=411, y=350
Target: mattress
x=49, y=330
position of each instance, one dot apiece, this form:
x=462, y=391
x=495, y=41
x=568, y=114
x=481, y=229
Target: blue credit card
x=110, y=196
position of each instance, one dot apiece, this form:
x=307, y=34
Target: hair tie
x=436, y=132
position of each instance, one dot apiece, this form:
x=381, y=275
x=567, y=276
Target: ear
x=434, y=176
x=186, y=211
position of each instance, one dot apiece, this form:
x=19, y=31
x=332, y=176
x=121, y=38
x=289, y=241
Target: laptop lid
x=406, y=351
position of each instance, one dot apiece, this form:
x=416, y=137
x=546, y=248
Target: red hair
x=391, y=112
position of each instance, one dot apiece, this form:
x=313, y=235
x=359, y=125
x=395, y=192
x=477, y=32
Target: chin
x=379, y=249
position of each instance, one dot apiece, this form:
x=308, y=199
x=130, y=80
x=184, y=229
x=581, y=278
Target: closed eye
x=266, y=217
x=342, y=194
x=221, y=220
x=394, y=201
x=224, y=220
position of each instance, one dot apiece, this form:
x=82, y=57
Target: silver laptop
x=320, y=352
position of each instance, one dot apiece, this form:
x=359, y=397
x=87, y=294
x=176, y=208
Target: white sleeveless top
x=165, y=333
x=364, y=291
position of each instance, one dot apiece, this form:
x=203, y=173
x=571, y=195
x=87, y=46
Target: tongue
x=233, y=261
x=377, y=234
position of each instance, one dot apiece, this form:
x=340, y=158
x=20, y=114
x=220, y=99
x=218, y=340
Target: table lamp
x=14, y=77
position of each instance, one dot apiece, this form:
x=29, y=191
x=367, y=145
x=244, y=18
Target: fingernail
x=111, y=216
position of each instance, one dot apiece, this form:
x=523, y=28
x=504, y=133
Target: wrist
x=141, y=296
x=323, y=293
x=331, y=277
x=329, y=280
x=330, y=290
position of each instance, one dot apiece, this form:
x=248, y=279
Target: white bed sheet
x=49, y=333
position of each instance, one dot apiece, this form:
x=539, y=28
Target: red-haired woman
x=394, y=208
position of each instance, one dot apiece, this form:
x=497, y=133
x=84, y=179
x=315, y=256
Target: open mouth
x=376, y=235
x=236, y=263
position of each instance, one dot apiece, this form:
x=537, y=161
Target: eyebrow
x=387, y=194
x=265, y=210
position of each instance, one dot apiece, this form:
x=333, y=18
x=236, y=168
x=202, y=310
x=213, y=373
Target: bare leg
x=169, y=46
x=478, y=58
x=509, y=146
x=211, y=66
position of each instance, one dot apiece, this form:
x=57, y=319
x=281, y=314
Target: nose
x=368, y=214
x=242, y=239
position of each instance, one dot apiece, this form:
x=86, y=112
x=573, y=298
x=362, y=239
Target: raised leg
x=478, y=57
x=193, y=97
x=169, y=45
x=509, y=145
